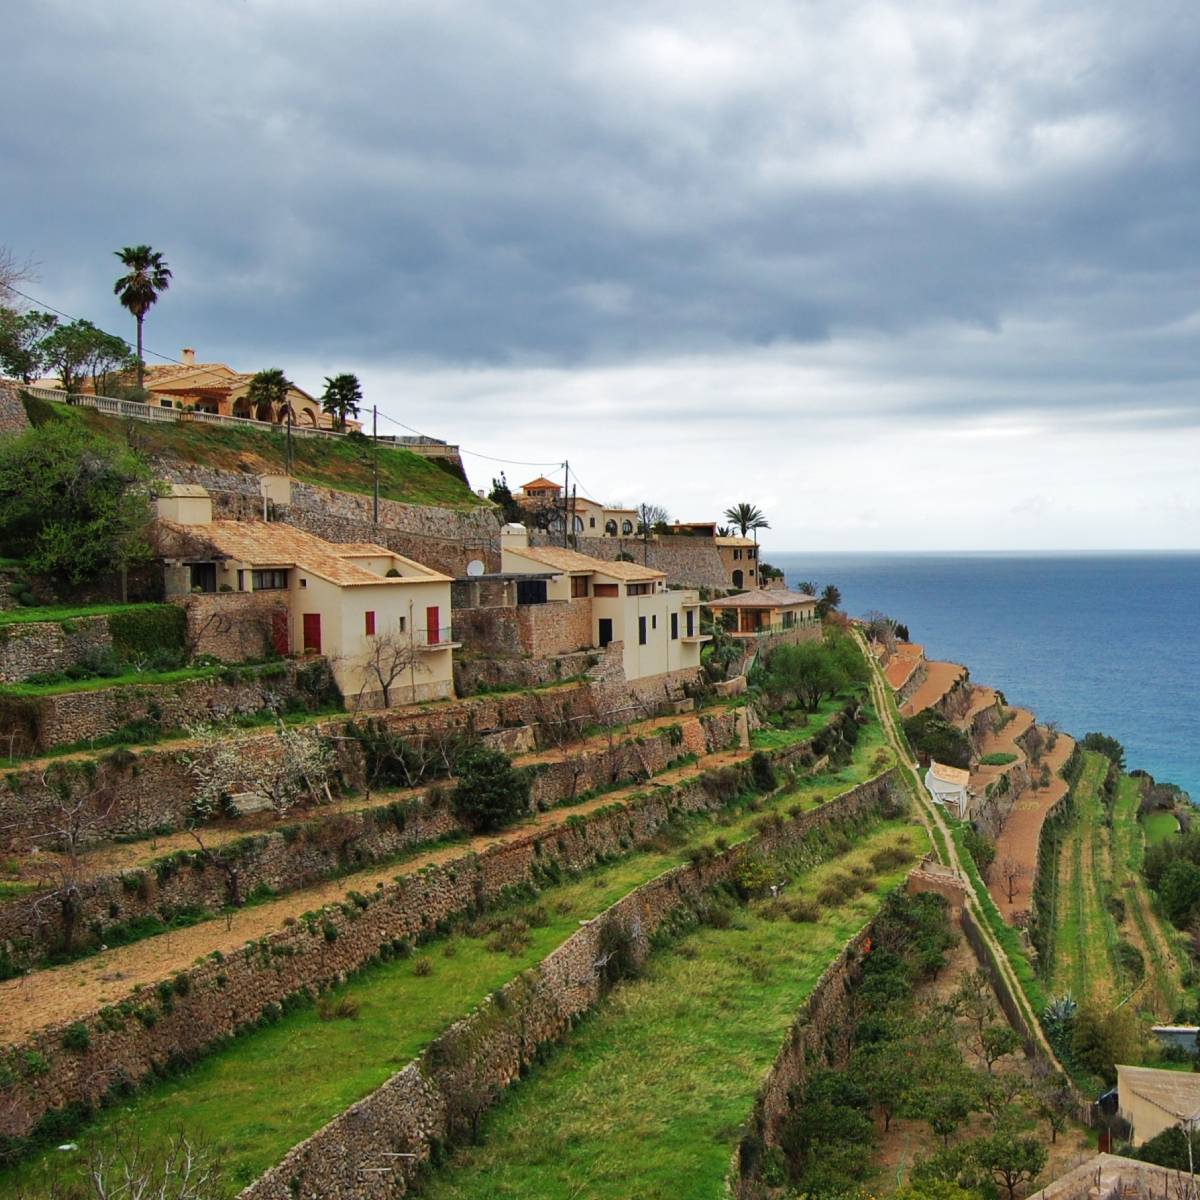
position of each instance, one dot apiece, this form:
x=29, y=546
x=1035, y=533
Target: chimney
x=189, y=356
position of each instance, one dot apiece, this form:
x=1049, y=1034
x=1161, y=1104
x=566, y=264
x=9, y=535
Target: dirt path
x=940, y=677
x=1018, y=840
x=934, y=820
x=68, y=992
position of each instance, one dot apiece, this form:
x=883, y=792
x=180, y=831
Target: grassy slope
x=330, y=462
x=647, y=1097
x=65, y=612
x=275, y=1086
x=1159, y=826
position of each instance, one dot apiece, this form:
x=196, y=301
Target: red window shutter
x=370, y=624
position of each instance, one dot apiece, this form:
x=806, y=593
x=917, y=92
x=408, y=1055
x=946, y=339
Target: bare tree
x=390, y=657
x=12, y=272
x=1011, y=873
x=75, y=820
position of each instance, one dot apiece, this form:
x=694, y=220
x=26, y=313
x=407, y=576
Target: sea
x=1107, y=642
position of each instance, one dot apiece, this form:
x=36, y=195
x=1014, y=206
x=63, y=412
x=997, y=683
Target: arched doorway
x=263, y=412
x=308, y=418
x=737, y=579
x=241, y=408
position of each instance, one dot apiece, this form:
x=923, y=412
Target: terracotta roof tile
x=760, y=598
x=571, y=560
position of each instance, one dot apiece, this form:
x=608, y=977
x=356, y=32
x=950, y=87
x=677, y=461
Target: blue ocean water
x=1107, y=642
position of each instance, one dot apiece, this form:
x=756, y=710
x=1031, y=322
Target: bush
x=931, y=735
x=344, y=1008
x=490, y=792
x=979, y=848
x=423, y=966
x=762, y=773
x=77, y=1037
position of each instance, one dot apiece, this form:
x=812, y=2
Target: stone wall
x=40, y=723
x=295, y=856
x=443, y=538
x=12, y=412
x=132, y=792
x=223, y=995
x=232, y=626
x=688, y=561
x=41, y=647
x=496, y=1045
x=474, y=675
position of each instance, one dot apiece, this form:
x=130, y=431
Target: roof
x=273, y=544
x=361, y=550
x=541, y=482
x=760, y=598
x=733, y=540
x=955, y=776
x=572, y=561
x=1175, y=1092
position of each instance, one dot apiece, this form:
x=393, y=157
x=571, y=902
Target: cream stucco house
x=949, y=786
x=778, y=611
x=368, y=610
x=659, y=630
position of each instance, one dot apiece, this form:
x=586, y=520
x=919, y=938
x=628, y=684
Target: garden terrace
x=342, y=463
x=255, y=1129
x=647, y=1097
x=147, y=885
x=941, y=679
x=1018, y=839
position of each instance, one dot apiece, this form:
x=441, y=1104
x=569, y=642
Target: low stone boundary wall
x=42, y=647
x=232, y=626
x=482, y=1055
x=476, y=675
x=910, y=686
x=135, y=791
x=40, y=723
x=296, y=856
x=184, y=1016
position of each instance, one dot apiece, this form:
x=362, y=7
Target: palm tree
x=343, y=394
x=269, y=387
x=747, y=517
x=148, y=276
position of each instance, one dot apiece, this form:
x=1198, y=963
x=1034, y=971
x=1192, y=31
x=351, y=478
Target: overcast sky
x=915, y=275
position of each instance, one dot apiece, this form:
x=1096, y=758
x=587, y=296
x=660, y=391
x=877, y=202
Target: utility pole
x=375, y=454
x=289, y=436
x=566, y=497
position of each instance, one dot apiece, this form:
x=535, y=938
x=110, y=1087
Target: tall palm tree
x=148, y=276
x=343, y=395
x=747, y=517
x=269, y=387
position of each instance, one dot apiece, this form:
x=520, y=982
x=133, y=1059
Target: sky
x=918, y=275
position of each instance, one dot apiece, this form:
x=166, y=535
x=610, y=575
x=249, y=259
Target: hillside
x=341, y=463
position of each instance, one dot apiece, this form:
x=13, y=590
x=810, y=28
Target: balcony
x=430, y=641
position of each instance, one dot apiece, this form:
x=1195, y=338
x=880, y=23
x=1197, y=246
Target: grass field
x=342, y=463
x=66, y=612
x=273, y=1087
x=1103, y=906
x=768, y=738
x=648, y=1095
x=1159, y=826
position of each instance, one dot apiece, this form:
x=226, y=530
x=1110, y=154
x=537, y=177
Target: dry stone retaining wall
x=41, y=647
x=180, y=1021
x=489, y=1050
x=689, y=561
x=232, y=626
x=12, y=412
x=296, y=856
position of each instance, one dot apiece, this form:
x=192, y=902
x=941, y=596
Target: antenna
x=474, y=568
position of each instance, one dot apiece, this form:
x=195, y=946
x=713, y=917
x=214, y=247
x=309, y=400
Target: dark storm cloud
x=567, y=184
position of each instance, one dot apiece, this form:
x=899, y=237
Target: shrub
x=930, y=734
x=762, y=773
x=77, y=1037
x=344, y=1008
x=423, y=966
x=490, y=792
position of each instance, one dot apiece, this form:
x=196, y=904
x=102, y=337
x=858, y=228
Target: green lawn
x=768, y=738
x=647, y=1097
x=1159, y=826
x=273, y=1087
x=97, y=682
x=67, y=612
x=341, y=463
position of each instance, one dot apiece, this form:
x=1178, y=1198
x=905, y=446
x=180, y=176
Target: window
x=626, y=527
x=610, y=527
x=403, y=624
x=789, y=619
x=606, y=589
x=370, y=624
x=241, y=580
x=737, y=554
x=304, y=583
x=641, y=631
x=638, y=589
x=675, y=627
x=654, y=621
x=579, y=586
x=591, y=522
x=752, y=552
x=531, y=591
x=269, y=581
x=691, y=622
